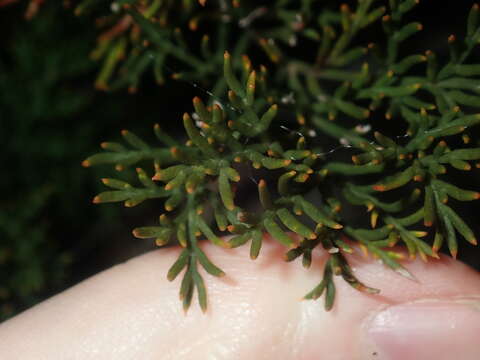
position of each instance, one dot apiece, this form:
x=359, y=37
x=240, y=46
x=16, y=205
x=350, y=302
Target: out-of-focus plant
x=45, y=100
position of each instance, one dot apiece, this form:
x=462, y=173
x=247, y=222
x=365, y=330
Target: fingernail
x=427, y=329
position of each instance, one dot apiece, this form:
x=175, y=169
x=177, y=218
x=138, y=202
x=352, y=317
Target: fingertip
x=254, y=309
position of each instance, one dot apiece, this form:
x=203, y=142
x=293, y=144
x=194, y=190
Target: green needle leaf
x=178, y=265
x=230, y=77
x=225, y=189
x=201, y=291
x=256, y=244
x=207, y=264
x=134, y=140
x=277, y=233
x=294, y=225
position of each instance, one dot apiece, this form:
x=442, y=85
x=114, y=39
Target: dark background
x=52, y=118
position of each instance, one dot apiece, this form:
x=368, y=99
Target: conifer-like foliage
x=406, y=119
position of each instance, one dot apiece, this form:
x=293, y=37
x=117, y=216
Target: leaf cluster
x=346, y=92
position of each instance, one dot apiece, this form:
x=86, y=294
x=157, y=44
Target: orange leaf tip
x=364, y=250
x=86, y=163
x=225, y=245
x=160, y=242
x=129, y=203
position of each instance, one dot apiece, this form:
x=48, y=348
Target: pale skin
x=256, y=312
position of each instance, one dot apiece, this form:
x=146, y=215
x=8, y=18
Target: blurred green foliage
x=46, y=100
